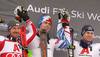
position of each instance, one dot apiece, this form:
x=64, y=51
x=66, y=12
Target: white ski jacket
x=34, y=46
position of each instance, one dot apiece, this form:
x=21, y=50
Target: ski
x=23, y=41
x=43, y=40
x=70, y=49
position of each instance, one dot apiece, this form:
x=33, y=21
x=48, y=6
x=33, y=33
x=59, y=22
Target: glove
x=21, y=13
x=17, y=17
x=59, y=15
x=65, y=17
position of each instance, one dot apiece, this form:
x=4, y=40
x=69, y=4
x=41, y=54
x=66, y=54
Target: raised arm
x=21, y=14
x=63, y=29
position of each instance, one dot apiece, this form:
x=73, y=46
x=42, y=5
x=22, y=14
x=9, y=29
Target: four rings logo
x=13, y=55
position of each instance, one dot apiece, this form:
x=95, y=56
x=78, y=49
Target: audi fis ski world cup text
x=74, y=13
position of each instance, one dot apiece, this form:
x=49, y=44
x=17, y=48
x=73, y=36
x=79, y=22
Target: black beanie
x=86, y=28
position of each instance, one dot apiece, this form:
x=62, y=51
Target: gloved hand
x=65, y=17
x=59, y=15
x=21, y=13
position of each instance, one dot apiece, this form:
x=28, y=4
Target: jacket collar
x=84, y=44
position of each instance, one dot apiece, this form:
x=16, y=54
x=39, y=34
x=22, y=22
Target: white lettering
x=70, y=52
x=98, y=18
x=77, y=14
x=55, y=10
x=13, y=55
x=90, y=16
x=3, y=26
x=36, y=9
x=43, y=10
x=96, y=36
x=74, y=13
x=30, y=8
x=48, y=10
x=80, y=15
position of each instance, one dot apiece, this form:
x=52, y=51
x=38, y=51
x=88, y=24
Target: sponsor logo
x=96, y=37
x=44, y=10
x=13, y=55
x=85, y=52
x=17, y=24
x=85, y=15
x=73, y=13
x=3, y=27
x=44, y=47
x=89, y=28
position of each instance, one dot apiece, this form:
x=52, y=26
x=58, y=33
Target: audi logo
x=13, y=55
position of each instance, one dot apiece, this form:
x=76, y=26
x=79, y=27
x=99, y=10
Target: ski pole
x=70, y=49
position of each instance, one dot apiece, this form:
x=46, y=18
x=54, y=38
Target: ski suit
x=34, y=46
x=92, y=50
x=10, y=48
